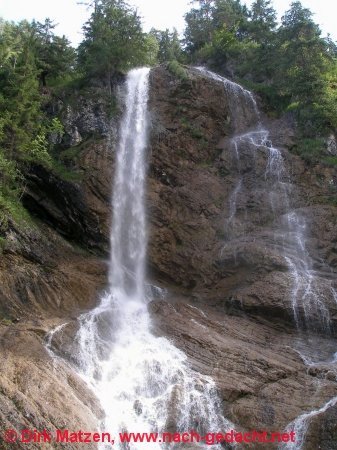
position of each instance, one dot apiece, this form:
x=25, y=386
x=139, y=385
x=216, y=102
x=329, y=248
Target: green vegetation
x=11, y=209
x=114, y=41
x=330, y=161
x=169, y=46
x=310, y=149
x=292, y=66
x=178, y=70
x=6, y=322
x=30, y=55
x=37, y=66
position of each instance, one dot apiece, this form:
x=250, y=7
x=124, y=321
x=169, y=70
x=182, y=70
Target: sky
x=160, y=14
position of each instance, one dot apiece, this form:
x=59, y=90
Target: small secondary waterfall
x=262, y=178
x=243, y=108
x=312, y=290
x=144, y=382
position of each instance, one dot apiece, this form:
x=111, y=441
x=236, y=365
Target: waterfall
x=143, y=382
x=260, y=170
x=300, y=426
x=242, y=104
x=128, y=232
x=312, y=291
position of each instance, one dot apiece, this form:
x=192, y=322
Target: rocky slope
x=228, y=304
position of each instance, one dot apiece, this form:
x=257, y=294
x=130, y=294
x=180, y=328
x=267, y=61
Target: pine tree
x=262, y=21
x=169, y=47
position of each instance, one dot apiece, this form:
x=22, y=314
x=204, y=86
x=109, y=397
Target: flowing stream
x=143, y=382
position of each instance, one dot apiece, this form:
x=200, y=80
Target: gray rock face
x=88, y=118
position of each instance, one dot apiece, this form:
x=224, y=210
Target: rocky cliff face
x=229, y=289
x=230, y=284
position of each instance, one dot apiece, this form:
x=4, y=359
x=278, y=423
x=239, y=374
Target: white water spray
x=300, y=426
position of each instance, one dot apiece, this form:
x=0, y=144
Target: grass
x=312, y=151
x=70, y=154
x=224, y=172
x=6, y=322
x=62, y=162
x=330, y=161
x=195, y=132
x=2, y=244
x=333, y=201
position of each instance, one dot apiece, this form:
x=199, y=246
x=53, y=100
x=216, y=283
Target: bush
x=311, y=150
x=178, y=70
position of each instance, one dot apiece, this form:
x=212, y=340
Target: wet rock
x=39, y=393
x=203, y=238
x=261, y=380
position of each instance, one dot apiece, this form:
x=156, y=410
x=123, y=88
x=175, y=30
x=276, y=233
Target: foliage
x=54, y=55
x=177, y=70
x=262, y=21
x=169, y=47
x=9, y=175
x=291, y=66
x=114, y=41
x=310, y=149
x=199, y=26
x=29, y=54
x=12, y=209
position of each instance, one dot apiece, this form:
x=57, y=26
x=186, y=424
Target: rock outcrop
x=243, y=331
x=228, y=304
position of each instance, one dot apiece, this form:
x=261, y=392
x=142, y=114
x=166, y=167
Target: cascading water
x=300, y=426
x=241, y=102
x=144, y=382
x=312, y=290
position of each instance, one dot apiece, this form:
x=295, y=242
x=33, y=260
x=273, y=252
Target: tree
x=199, y=26
x=215, y=29
x=20, y=101
x=114, y=40
x=302, y=64
x=54, y=55
x=232, y=15
x=262, y=21
x=169, y=47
